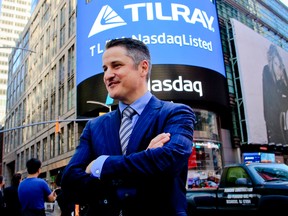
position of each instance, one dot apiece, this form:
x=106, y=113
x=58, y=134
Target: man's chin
x=113, y=95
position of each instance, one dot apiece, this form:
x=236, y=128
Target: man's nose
x=108, y=74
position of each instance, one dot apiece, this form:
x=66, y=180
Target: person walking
x=66, y=207
x=133, y=160
x=2, y=203
x=33, y=192
x=13, y=206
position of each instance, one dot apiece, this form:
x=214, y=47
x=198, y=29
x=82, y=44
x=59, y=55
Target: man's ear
x=144, y=67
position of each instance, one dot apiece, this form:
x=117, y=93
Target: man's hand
x=88, y=168
x=159, y=140
x=52, y=196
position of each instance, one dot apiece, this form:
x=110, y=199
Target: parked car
x=252, y=188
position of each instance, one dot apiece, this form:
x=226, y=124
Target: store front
x=205, y=162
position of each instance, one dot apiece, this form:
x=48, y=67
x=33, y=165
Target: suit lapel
x=113, y=141
x=145, y=120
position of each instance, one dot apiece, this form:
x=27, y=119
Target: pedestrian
x=13, y=206
x=33, y=191
x=148, y=175
x=66, y=207
x=2, y=203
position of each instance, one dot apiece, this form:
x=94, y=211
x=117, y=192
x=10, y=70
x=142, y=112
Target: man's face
x=277, y=68
x=123, y=80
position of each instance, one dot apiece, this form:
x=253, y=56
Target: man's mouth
x=110, y=84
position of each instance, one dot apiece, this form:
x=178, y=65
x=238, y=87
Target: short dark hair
x=33, y=165
x=16, y=179
x=136, y=49
x=59, y=178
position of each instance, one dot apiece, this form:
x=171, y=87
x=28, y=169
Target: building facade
x=13, y=18
x=268, y=21
x=41, y=119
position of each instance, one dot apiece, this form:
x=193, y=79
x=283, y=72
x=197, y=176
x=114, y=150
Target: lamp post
x=12, y=47
x=100, y=103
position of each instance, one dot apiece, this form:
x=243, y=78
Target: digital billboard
x=181, y=33
x=258, y=157
x=264, y=85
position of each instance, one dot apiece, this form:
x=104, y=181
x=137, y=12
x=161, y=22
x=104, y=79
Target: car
x=250, y=187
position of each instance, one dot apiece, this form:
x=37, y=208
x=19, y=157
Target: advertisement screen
x=188, y=84
x=179, y=32
x=263, y=73
x=258, y=157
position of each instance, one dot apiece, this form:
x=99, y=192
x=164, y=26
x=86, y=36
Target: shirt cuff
x=97, y=165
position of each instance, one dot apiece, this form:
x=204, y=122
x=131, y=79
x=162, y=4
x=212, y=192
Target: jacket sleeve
x=178, y=120
x=78, y=186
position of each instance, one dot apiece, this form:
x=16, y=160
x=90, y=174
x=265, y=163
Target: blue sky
x=285, y=2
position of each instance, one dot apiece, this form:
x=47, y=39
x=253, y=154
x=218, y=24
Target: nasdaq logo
x=109, y=18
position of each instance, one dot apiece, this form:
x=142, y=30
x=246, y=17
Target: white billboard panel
x=264, y=85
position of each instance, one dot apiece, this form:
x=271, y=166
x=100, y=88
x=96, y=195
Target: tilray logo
x=111, y=18
x=153, y=11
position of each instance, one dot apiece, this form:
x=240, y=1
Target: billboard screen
x=264, y=85
x=258, y=157
x=182, y=33
x=173, y=83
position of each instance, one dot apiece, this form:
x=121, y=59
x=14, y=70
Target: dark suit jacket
x=150, y=182
x=13, y=206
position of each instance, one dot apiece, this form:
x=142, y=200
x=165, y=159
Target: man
x=149, y=178
x=33, y=192
x=13, y=206
x=67, y=209
x=2, y=203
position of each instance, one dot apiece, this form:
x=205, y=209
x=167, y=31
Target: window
x=70, y=137
x=45, y=149
x=205, y=165
x=62, y=25
x=235, y=173
x=52, y=145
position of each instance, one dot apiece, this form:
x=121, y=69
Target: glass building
x=267, y=21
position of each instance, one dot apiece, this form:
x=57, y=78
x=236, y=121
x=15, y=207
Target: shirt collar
x=139, y=104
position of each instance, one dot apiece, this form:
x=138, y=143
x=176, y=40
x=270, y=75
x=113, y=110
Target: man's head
x=127, y=67
x=16, y=178
x=33, y=165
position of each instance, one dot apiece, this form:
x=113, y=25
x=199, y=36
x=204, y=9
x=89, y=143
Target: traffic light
x=57, y=127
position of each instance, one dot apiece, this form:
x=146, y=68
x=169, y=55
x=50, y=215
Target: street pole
x=45, y=122
x=12, y=47
x=100, y=103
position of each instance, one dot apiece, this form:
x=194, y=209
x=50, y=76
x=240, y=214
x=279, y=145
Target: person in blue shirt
x=33, y=192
